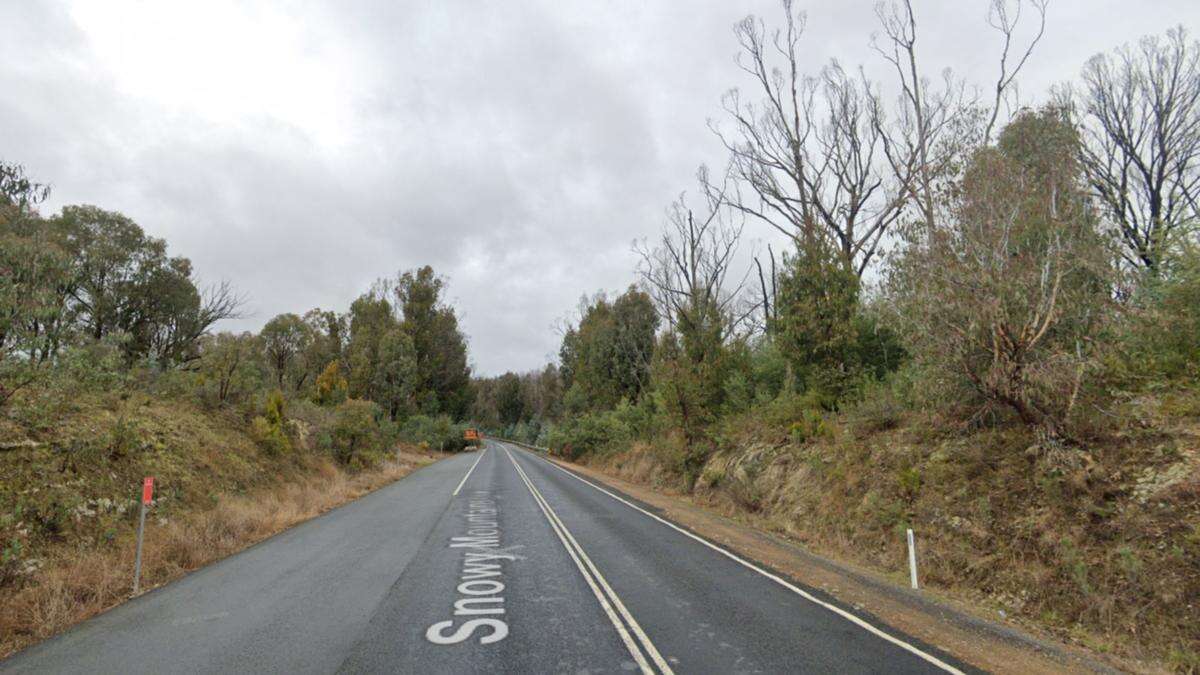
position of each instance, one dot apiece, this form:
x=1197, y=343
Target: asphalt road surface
x=490, y=561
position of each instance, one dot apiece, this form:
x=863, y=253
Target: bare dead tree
x=1005, y=17
x=768, y=292
x=768, y=147
x=774, y=278
x=175, y=339
x=687, y=271
x=824, y=155
x=930, y=127
x=1140, y=119
x=813, y=150
x=767, y=300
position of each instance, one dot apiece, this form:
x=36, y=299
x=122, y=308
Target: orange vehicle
x=471, y=435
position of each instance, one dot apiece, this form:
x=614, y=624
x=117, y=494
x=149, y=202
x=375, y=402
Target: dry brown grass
x=78, y=581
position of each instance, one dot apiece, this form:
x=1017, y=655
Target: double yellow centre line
x=635, y=639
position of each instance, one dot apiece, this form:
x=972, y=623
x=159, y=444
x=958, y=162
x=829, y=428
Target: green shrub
x=1162, y=338
x=356, y=438
x=95, y=364
x=908, y=480
x=879, y=410
x=593, y=433
x=269, y=430
x=123, y=438
x=817, y=304
x=434, y=432
x=811, y=425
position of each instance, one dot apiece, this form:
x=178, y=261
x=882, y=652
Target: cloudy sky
x=302, y=149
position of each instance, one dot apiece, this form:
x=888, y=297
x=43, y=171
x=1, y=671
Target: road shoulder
x=938, y=621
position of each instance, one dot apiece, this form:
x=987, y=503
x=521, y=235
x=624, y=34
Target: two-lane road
x=492, y=561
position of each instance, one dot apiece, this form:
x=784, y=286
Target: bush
x=331, y=385
x=811, y=425
x=880, y=409
x=435, y=432
x=356, y=438
x=95, y=364
x=590, y=434
x=1162, y=338
x=269, y=430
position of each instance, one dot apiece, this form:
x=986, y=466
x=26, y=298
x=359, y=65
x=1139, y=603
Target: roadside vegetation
x=112, y=369
x=986, y=327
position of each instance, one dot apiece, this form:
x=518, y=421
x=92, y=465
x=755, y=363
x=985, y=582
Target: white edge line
x=464, y=478
x=630, y=645
x=773, y=577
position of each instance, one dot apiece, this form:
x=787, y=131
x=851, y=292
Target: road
x=492, y=561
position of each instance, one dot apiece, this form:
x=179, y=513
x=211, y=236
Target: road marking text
x=479, y=585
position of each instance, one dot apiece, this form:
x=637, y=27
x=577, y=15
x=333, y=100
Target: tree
x=328, y=331
x=635, y=323
x=443, y=376
x=230, y=362
x=34, y=267
x=822, y=150
x=812, y=152
x=284, y=338
x=174, y=314
x=690, y=371
x=1004, y=16
x=19, y=194
x=124, y=282
x=568, y=356
x=1005, y=295
x=1140, y=119
x=395, y=378
x=687, y=271
x=371, y=317
x=510, y=406
x=687, y=274
x=608, y=355
x=815, y=325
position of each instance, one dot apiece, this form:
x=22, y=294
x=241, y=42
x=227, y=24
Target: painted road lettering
x=479, y=585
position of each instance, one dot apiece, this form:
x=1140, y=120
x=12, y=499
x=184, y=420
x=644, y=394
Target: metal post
x=147, y=495
x=137, y=560
x=912, y=559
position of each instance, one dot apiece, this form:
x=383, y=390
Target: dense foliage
x=89, y=301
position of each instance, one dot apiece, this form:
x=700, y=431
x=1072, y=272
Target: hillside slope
x=70, y=474
x=1100, y=547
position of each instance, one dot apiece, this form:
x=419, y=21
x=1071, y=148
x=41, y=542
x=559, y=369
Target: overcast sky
x=301, y=150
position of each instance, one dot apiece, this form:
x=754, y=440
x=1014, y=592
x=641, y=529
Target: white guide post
x=912, y=559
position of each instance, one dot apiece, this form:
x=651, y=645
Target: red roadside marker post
x=147, y=495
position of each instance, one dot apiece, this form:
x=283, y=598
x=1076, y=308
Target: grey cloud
x=517, y=147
